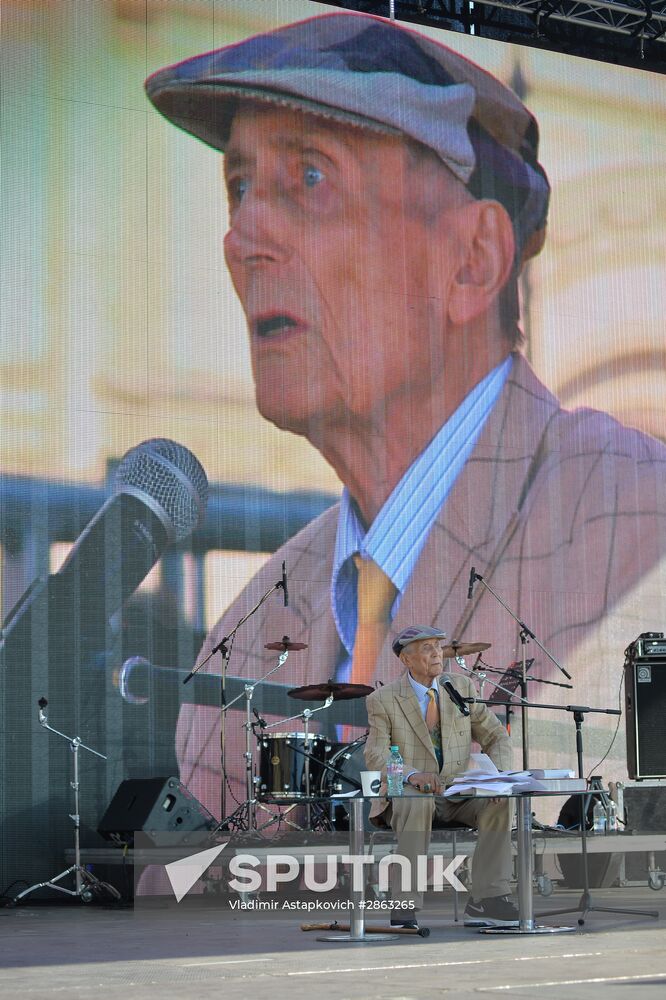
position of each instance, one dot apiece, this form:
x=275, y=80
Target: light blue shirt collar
x=421, y=692
x=396, y=537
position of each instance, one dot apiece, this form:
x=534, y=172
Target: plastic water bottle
x=394, y=772
x=599, y=817
x=611, y=817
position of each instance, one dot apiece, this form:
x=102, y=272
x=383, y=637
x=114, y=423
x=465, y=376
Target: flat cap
x=376, y=74
x=414, y=632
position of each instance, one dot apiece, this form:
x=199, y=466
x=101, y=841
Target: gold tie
x=375, y=597
x=432, y=711
x=432, y=722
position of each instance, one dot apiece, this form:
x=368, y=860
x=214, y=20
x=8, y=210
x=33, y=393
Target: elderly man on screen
x=383, y=194
x=434, y=737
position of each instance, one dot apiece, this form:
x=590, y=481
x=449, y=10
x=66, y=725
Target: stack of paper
x=484, y=779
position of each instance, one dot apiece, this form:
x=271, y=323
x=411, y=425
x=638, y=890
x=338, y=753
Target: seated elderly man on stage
x=416, y=714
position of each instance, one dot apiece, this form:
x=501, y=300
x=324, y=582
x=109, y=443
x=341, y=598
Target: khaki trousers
x=411, y=818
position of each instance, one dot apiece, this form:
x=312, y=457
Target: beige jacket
x=394, y=717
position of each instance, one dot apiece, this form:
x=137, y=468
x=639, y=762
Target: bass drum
x=349, y=761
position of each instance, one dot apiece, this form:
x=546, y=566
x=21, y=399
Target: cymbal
x=285, y=643
x=340, y=692
x=464, y=648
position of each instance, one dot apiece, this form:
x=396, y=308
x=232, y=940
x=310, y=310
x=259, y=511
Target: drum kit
x=300, y=768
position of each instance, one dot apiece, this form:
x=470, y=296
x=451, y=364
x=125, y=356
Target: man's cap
x=414, y=632
x=373, y=73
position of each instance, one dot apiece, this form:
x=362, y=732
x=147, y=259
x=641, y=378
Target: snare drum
x=282, y=766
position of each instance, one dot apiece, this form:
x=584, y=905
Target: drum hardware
x=87, y=885
x=306, y=715
x=224, y=646
x=248, y=808
x=285, y=643
x=339, y=775
x=456, y=649
x=331, y=691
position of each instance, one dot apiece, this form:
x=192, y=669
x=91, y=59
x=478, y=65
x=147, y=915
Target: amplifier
x=645, y=712
x=647, y=644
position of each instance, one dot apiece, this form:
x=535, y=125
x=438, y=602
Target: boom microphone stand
x=525, y=635
x=224, y=647
x=586, y=903
x=86, y=883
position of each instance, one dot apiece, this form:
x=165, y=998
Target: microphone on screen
x=283, y=584
x=470, y=586
x=160, y=492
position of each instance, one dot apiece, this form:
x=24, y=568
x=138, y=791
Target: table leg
x=525, y=872
x=357, y=933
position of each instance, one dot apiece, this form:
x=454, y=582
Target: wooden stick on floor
x=423, y=932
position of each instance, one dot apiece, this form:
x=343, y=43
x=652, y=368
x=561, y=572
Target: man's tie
x=434, y=728
x=375, y=597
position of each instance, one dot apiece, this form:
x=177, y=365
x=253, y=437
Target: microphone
x=260, y=722
x=285, y=592
x=139, y=681
x=160, y=492
x=455, y=697
x=470, y=585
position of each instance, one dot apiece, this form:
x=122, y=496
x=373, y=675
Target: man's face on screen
x=341, y=247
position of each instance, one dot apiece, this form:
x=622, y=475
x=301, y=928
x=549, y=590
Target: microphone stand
x=525, y=635
x=586, y=902
x=526, y=924
x=509, y=675
x=224, y=647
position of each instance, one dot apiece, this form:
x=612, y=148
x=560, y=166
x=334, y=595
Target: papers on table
x=484, y=779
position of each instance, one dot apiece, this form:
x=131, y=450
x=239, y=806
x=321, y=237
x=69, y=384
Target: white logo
x=282, y=868
x=185, y=872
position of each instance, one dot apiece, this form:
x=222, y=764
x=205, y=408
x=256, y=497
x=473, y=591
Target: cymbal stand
x=85, y=881
x=305, y=715
x=250, y=804
x=224, y=647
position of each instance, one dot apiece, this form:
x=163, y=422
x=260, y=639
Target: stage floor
x=195, y=952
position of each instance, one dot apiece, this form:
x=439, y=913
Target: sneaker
x=402, y=920
x=498, y=911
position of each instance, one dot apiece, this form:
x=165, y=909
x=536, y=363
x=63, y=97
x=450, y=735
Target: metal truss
x=638, y=19
x=625, y=31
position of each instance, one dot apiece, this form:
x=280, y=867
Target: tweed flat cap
x=413, y=633
x=376, y=74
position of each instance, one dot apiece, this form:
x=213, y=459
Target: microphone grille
x=172, y=477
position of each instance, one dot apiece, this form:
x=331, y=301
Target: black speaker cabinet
x=153, y=806
x=645, y=716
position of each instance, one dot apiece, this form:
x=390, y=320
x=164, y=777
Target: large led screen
x=428, y=387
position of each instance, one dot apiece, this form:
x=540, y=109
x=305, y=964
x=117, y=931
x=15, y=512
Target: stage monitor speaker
x=645, y=711
x=154, y=806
